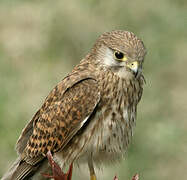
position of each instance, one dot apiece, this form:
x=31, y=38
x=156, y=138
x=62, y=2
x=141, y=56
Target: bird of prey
x=89, y=116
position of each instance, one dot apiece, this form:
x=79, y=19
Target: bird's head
x=120, y=51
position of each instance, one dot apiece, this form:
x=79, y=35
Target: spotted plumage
x=89, y=116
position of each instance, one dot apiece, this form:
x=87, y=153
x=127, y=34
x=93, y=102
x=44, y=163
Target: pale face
x=121, y=63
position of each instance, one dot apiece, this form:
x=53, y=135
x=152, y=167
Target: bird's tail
x=21, y=170
x=11, y=170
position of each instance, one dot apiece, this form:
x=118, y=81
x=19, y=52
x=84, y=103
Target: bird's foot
x=58, y=174
x=93, y=177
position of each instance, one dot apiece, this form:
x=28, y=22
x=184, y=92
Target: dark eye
x=118, y=55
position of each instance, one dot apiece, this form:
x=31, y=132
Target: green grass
x=41, y=41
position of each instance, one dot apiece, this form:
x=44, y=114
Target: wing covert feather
x=80, y=72
x=63, y=116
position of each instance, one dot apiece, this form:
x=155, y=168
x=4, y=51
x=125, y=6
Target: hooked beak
x=134, y=67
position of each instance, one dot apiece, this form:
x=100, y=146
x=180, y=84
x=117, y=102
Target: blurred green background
x=41, y=41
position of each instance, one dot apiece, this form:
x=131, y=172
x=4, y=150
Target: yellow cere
x=133, y=65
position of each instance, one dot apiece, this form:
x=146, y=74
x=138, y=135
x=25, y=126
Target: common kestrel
x=89, y=116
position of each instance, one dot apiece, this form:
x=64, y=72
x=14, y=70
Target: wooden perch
x=58, y=174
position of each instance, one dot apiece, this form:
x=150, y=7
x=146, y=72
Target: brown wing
x=63, y=113
x=61, y=116
x=79, y=73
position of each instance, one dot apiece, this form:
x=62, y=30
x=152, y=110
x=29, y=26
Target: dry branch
x=58, y=174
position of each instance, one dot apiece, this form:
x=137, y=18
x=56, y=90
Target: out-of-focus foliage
x=41, y=41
